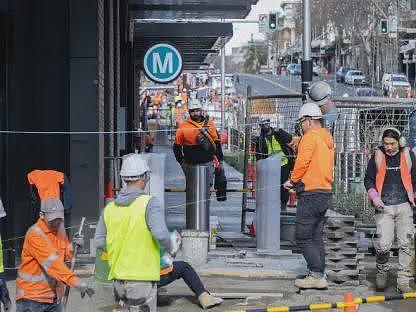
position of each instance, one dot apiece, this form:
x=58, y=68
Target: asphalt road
x=288, y=84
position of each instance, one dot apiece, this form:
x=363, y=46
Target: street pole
x=307, y=60
x=223, y=88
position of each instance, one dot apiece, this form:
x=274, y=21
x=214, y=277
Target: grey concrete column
x=268, y=204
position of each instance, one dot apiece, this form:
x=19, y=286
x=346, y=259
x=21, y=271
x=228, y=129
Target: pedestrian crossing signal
x=383, y=27
x=272, y=21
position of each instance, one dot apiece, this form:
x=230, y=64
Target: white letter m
x=161, y=68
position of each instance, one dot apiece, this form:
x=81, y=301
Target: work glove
x=4, y=295
x=78, y=240
x=83, y=287
x=175, y=243
x=288, y=185
x=376, y=199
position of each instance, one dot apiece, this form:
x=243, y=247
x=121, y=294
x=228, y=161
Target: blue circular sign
x=162, y=63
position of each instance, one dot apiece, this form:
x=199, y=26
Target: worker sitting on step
x=174, y=270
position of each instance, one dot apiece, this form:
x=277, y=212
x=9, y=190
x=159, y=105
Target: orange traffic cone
x=349, y=302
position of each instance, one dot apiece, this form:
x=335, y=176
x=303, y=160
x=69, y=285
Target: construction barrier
x=334, y=305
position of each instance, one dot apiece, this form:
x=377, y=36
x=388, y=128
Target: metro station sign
x=162, y=63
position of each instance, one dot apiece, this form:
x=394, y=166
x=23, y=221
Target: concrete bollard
x=194, y=247
x=268, y=204
x=197, y=197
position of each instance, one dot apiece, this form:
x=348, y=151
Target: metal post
x=247, y=122
x=307, y=60
x=268, y=204
x=223, y=88
x=197, y=197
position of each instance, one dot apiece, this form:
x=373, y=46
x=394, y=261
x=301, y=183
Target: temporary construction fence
x=356, y=131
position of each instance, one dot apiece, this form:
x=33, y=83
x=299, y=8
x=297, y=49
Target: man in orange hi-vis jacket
x=43, y=273
x=312, y=177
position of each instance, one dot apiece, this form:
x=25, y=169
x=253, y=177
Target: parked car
x=294, y=69
x=396, y=85
x=342, y=71
x=355, y=77
x=367, y=92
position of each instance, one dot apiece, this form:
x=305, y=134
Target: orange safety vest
x=405, y=171
x=47, y=182
x=42, y=274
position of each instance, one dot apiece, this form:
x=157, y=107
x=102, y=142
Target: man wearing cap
x=276, y=142
x=312, y=178
x=43, y=273
x=132, y=229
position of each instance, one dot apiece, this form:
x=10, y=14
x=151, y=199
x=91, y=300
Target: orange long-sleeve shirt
x=314, y=165
x=42, y=274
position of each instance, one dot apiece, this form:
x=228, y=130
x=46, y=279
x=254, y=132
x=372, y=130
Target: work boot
x=381, y=281
x=208, y=301
x=312, y=282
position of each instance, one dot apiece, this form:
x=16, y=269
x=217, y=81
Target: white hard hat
x=264, y=120
x=133, y=166
x=319, y=92
x=310, y=110
x=194, y=104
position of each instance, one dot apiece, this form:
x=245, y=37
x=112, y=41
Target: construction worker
x=312, y=178
x=131, y=229
x=4, y=292
x=320, y=93
x=276, y=142
x=173, y=270
x=390, y=183
x=43, y=273
x=197, y=142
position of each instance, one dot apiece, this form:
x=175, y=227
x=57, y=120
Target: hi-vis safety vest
x=405, y=171
x=274, y=147
x=133, y=254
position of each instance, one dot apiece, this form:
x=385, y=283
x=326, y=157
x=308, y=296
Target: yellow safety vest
x=274, y=147
x=133, y=254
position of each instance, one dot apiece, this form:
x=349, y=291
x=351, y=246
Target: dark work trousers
x=310, y=219
x=24, y=305
x=284, y=193
x=182, y=269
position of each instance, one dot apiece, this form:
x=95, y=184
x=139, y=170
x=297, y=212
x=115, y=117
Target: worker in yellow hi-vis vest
x=4, y=292
x=276, y=142
x=131, y=229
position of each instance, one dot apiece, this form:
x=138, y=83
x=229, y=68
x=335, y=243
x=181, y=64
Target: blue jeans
x=310, y=220
x=24, y=305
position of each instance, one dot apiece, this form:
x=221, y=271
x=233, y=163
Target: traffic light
x=384, y=26
x=272, y=21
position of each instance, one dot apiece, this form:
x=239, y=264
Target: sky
x=242, y=32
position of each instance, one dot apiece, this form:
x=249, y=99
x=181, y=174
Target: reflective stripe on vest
x=133, y=254
x=405, y=171
x=274, y=147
